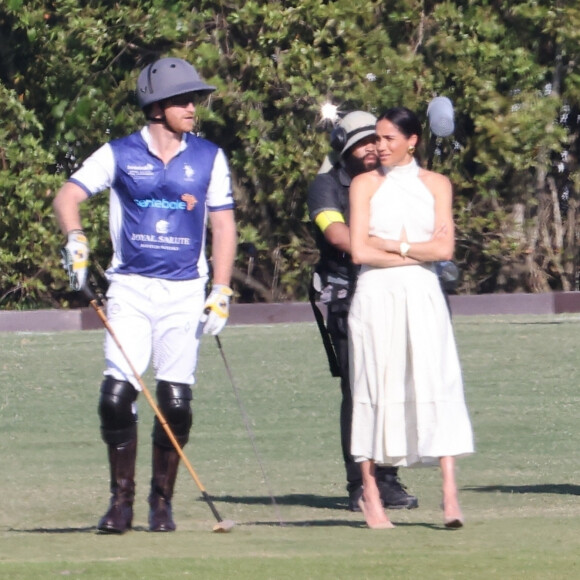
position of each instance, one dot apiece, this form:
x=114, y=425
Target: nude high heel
x=379, y=526
x=454, y=521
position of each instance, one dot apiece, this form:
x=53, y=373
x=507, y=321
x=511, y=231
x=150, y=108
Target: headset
x=338, y=138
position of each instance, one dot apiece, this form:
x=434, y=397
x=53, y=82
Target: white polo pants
x=154, y=318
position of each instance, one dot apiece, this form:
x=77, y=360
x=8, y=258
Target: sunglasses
x=185, y=99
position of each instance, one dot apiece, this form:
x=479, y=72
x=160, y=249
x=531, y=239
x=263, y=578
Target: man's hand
x=216, y=309
x=75, y=259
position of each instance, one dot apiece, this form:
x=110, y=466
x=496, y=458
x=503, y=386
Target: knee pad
x=174, y=400
x=118, y=418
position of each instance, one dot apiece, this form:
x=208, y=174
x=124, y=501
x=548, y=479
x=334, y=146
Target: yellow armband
x=325, y=218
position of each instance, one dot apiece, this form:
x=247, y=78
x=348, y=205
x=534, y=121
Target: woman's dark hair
x=405, y=120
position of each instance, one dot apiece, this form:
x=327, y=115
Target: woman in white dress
x=409, y=406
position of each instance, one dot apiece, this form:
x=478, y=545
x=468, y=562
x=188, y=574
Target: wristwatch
x=404, y=249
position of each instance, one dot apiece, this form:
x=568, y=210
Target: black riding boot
x=165, y=464
x=119, y=516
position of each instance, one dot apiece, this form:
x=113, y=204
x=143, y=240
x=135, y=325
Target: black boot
x=354, y=497
x=119, y=516
x=165, y=464
x=393, y=493
x=354, y=485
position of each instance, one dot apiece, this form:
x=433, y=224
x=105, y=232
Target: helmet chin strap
x=160, y=121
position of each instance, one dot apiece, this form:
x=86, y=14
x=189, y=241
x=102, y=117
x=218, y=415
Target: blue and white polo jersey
x=158, y=213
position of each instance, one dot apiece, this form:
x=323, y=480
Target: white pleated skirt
x=408, y=400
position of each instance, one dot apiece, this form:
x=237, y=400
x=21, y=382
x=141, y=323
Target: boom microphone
x=440, y=114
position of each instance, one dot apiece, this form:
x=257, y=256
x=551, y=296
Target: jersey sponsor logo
x=161, y=204
x=160, y=242
x=140, y=171
x=162, y=227
x=190, y=200
x=187, y=203
x=189, y=172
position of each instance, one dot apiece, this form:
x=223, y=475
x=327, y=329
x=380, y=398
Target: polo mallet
x=248, y=428
x=223, y=525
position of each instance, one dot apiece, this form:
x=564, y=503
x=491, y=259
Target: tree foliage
x=67, y=75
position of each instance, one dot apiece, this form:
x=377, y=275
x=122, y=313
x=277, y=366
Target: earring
x=411, y=149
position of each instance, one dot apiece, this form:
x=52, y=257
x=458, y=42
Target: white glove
x=75, y=258
x=216, y=309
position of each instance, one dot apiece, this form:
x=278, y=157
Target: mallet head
x=223, y=527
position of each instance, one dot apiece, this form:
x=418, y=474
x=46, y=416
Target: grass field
x=519, y=492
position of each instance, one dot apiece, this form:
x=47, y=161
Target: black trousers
x=337, y=325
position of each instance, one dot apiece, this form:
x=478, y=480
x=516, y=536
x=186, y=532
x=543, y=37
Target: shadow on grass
x=294, y=499
x=297, y=499
x=305, y=524
x=555, y=488
x=87, y=530
x=330, y=523
x=316, y=502
x=343, y=523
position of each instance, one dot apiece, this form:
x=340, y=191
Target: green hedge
x=68, y=69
